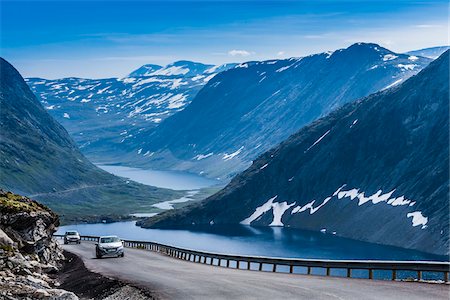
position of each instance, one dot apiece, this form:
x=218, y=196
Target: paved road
x=178, y=279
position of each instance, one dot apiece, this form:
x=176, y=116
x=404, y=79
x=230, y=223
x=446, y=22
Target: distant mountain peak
x=145, y=70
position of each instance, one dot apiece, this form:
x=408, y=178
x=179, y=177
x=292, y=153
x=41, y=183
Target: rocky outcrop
x=28, y=254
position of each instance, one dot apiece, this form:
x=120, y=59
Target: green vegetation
x=106, y=202
x=11, y=203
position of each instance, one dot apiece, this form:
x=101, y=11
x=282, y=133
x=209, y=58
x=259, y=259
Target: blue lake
x=165, y=179
x=246, y=240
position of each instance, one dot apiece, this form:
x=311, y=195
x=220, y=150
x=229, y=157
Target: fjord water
x=261, y=241
x=175, y=180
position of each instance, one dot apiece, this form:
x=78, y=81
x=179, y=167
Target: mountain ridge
x=246, y=110
x=373, y=170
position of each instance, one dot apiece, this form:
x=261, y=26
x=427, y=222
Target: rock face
x=39, y=158
x=249, y=109
x=375, y=170
x=27, y=251
x=101, y=114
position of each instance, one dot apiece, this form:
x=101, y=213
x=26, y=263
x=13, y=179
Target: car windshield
x=71, y=233
x=109, y=240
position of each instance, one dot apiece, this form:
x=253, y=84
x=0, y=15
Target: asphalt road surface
x=177, y=279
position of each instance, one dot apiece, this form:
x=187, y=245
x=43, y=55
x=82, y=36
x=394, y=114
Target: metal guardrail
x=245, y=262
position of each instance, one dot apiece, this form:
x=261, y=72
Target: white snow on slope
x=418, y=219
x=263, y=167
x=388, y=57
x=283, y=69
x=378, y=197
x=408, y=67
x=317, y=141
x=413, y=58
x=392, y=84
x=173, y=70
x=66, y=115
x=232, y=155
x=278, y=210
x=202, y=156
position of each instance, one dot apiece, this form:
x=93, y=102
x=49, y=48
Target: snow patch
x=263, y=167
x=408, y=67
x=392, y=84
x=66, y=115
x=418, y=219
x=318, y=140
x=232, y=155
x=278, y=210
x=202, y=156
x=388, y=57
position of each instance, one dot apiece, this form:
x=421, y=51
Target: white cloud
x=280, y=53
x=235, y=52
x=427, y=26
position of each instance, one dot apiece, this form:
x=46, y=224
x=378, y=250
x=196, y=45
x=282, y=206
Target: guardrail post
x=445, y=276
x=328, y=271
x=228, y=263
x=212, y=260
x=248, y=265
x=309, y=270
x=291, y=269
x=370, y=274
x=260, y=266
x=274, y=268
x=349, y=273
x=394, y=274
x=419, y=275
x=220, y=262
x=237, y=264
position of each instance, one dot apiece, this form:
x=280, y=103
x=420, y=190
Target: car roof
x=109, y=236
x=72, y=231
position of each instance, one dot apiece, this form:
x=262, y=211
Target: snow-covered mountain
x=39, y=158
x=102, y=113
x=433, y=52
x=376, y=170
x=247, y=110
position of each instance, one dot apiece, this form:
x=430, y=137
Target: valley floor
x=169, y=278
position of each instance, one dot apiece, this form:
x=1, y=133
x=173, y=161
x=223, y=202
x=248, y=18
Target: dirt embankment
x=75, y=277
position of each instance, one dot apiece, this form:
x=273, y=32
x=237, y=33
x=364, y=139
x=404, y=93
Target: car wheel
x=123, y=254
x=78, y=242
x=98, y=255
x=65, y=243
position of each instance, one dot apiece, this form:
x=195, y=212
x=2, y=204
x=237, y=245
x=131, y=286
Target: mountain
x=100, y=114
x=375, y=170
x=433, y=52
x=246, y=110
x=39, y=158
x=145, y=70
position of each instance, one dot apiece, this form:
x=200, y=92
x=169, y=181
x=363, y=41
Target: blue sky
x=96, y=39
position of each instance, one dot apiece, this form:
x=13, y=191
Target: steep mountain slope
x=433, y=52
x=247, y=110
x=374, y=170
x=39, y=157
x=100, y=114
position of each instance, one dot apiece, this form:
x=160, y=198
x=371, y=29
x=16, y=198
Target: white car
x=109, y=246
x=72, y=237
